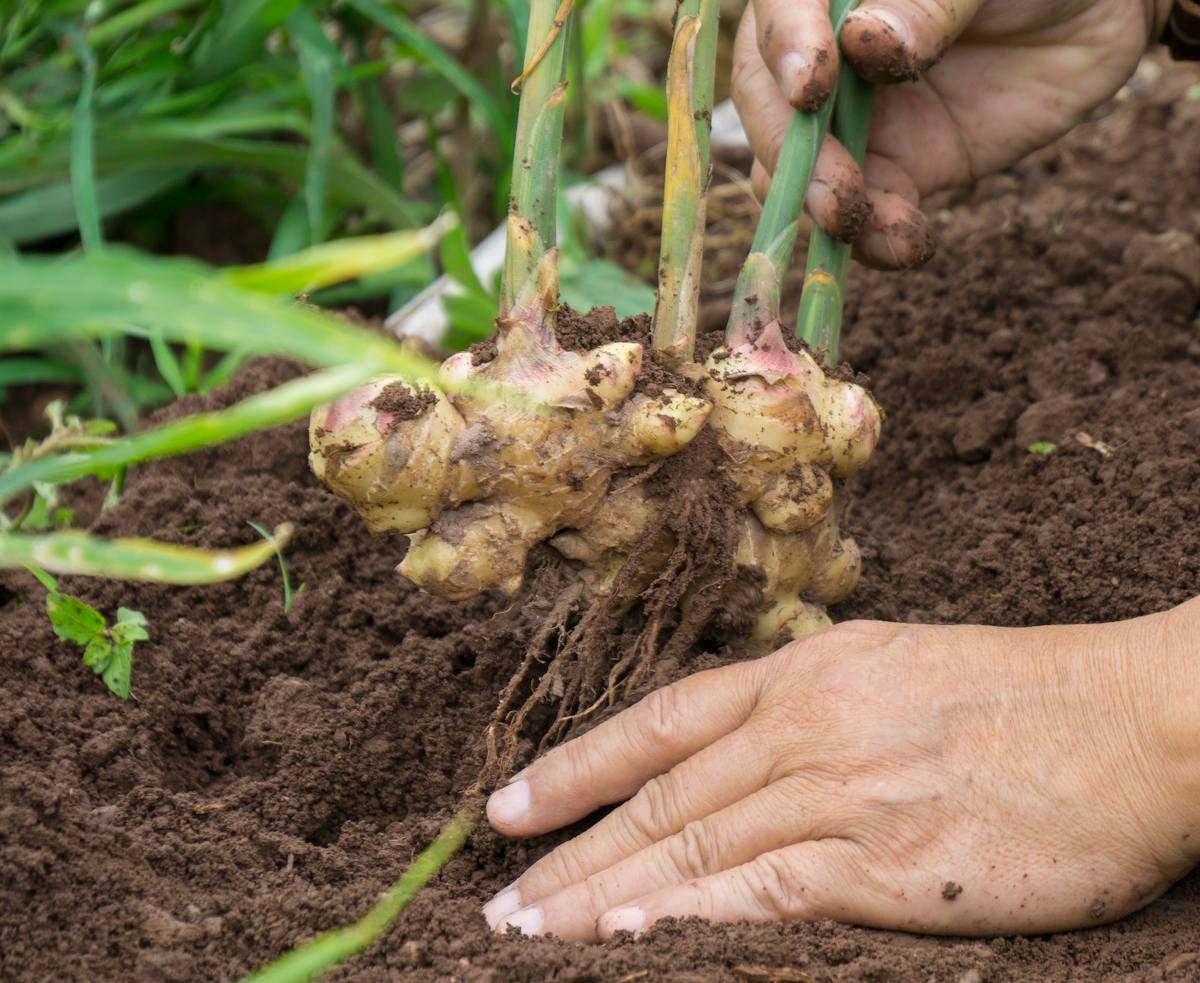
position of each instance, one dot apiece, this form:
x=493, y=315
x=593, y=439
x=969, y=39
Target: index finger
x=610, y=763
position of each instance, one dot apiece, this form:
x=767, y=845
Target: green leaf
x=198, y=431
x=472, y=318
x=336, y=262
x=44, y=578
x=83, y=164
x=350, y=183
x=237, y=36
x=381, y=132
x=118, y=290
x=119, y=671
x=318, y=57
x=130, y=627
x=73, y=620
x=126, y=616
x=597, y=282
x=24, y=371
x=455, y=254
x=50, y=211
x=444, y=63
x=97, y=653
x=125, y=559
x=168, y=365
x=1042, y=447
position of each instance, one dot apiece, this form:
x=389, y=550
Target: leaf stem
x=689, y=123
x=789, y=184
x=820, y=319
x=312, y=959
x=532, y=214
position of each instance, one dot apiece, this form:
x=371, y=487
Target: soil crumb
x=402, y=402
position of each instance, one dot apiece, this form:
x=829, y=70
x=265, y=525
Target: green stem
x=533, y=209
x=819, y=322
x=314, y=958
x=756, y=297
x=690, y=75
x=704, y=72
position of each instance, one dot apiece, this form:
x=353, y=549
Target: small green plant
x=108, y=651
x=283, y=570
x=1042, y=447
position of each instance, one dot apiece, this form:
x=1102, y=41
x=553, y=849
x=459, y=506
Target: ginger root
x=476, y=483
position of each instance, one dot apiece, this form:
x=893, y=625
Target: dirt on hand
x=275, y=772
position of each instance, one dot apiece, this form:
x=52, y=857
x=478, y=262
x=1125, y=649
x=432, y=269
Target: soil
x=275, y=771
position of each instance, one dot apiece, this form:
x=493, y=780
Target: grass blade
x=311, y=960
x=119, y=290
x=349, y=182
x=283, y=570
x=129, y=20
x=445, y=64
x=282, y=404
x=83, y=164
x=27, y=371
x=168, y=366
x=135, y=559
x=238, y=35
x=336, y=262
x=50, y=211
x=318, y=57
x=381, y=132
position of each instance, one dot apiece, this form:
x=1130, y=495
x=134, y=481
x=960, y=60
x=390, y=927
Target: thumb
x=898, y=40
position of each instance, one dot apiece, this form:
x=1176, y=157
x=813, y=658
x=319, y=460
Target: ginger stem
x=820, y=319
x=690, y=75
x=532, y=210
x=779, y=221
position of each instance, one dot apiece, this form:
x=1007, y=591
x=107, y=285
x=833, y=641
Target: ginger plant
x=664, y=507
x=700, y=497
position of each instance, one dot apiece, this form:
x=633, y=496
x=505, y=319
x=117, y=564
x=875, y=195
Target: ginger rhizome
x=477, y=482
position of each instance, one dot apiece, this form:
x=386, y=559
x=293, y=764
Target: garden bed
x=275, y=772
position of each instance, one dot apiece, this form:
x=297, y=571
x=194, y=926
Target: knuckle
x=862, y=630
x=599, y=898
x=772, y=879
x=663, y=718
x=691, y=851
x=579, y=762
x=648, y=813
x=563, y=866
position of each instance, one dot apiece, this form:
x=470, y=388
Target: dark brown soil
x=275, y=772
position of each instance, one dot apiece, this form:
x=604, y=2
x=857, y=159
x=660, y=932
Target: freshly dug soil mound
x=275, y=772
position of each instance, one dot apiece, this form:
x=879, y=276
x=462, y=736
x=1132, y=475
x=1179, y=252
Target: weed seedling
x=107, y=650
x=283, y=570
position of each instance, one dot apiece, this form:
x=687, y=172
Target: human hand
x=964, y=780
x=985, y=82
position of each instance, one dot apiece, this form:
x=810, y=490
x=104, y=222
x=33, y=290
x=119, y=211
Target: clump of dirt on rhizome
x=275, y=772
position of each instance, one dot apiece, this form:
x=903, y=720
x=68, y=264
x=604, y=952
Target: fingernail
x=895, y=24
x=820, y=199
x=528, y=920
x=501, y=906
x=631, y=919
x=509, y=805
x=796, y=79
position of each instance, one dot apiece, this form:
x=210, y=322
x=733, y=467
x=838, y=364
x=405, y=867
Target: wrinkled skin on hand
x=948, y=779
